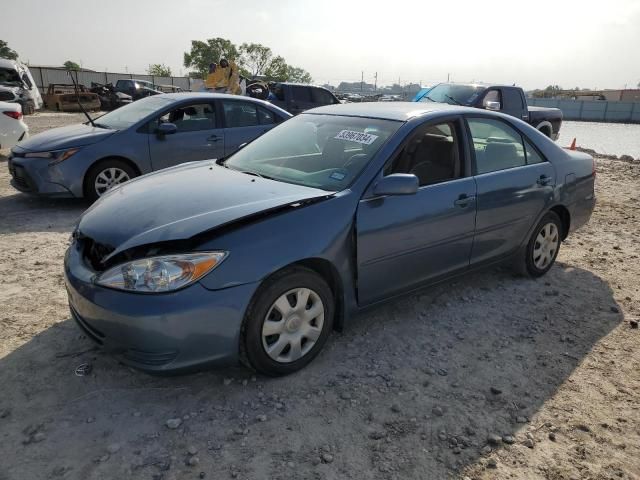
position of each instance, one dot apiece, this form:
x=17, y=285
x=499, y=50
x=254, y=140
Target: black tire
x=90, y=192
x=252, y=350
x=525, y=263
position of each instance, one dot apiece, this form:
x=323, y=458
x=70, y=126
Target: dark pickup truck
x=137, y=89
x=296, y=98
x=500, y=98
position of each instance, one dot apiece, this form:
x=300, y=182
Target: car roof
x=479, y=84
x=399, y=111
x=181, y=96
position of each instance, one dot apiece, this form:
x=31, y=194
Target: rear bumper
x=174, y=332
x=581, y=212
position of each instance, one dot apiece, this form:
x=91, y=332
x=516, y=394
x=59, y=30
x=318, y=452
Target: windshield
x=126, y=116
x=453, y=94
x=320, y=151
x=10, y=77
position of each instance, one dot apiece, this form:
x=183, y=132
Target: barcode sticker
x=358, y=137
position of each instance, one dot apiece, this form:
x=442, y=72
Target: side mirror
x=166, y=129
x=493, y=106
x=397, y=184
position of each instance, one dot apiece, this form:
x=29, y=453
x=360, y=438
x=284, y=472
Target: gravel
x=564, y=359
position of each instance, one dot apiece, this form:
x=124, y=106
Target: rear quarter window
x=322, y=97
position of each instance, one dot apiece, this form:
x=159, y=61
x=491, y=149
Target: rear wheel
x=287, y=323
x=543, y=247
x=105, y=175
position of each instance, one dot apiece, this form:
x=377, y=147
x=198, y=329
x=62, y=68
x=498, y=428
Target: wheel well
x=329, y=273
x=546, y=129
x=565, y=216
x=122, y=159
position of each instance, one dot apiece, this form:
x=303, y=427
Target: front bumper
x=173, y=332
x=35, y=175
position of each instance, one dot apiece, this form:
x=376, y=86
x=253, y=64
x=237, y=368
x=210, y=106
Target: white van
x=18, y=86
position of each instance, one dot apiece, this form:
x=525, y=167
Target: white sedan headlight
x=161, y=274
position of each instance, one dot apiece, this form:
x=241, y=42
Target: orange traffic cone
x=573, y=144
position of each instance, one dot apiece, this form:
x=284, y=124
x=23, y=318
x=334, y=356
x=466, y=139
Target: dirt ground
x=490, y=376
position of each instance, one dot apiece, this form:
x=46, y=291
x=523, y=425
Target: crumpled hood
x=180, y=202
x=64, y=137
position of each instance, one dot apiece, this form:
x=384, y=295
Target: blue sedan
x=86, y=160
x=261, y=256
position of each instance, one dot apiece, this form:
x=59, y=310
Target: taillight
x=593, y=168
x=14, y=115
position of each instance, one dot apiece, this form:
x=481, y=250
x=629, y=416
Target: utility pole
x=361, y=81
x=375, y=87
x=447, y=78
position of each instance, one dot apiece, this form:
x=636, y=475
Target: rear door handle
x=214, y=138
x=543, y=180
x=464, y=200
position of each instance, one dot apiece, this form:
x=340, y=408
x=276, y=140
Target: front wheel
x=288, y=322
x=543, y=247
x=104, y=176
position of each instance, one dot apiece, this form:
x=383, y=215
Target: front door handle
x=464, y=200
x=544, y=180
x=214, y=138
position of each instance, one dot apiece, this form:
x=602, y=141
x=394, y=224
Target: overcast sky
x=531, y=43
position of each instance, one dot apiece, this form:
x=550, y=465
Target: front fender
x=322, y=230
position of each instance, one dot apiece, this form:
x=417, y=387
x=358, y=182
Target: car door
x=513, y=103
x=198, y=136
x=406, y=240
x=244, y=121
x=301, y=99
x=515, y=185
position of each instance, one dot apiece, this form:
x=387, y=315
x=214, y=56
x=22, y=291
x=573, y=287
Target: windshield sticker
x=358, y=137
x=337, y=176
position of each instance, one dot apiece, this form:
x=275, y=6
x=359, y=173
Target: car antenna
x=75, y=86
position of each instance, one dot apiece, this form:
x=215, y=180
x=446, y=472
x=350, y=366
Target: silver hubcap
x=109, y=178
x=546, y=246
x=293, y=325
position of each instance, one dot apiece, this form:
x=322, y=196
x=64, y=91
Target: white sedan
x=12, y=127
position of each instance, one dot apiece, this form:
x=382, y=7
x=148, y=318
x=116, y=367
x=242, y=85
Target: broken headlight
x=161, y=274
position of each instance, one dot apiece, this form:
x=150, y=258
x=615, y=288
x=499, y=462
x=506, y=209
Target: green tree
x=6, y=52
x=297, y=74
x=159, y=70
x=209, y=51
x=70, y=65
x=254, y=59
x=277, y=70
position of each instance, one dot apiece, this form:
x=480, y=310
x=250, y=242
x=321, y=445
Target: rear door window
x=533, y=156
x=240, y=114
x=321, y=96
x=497, y=146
